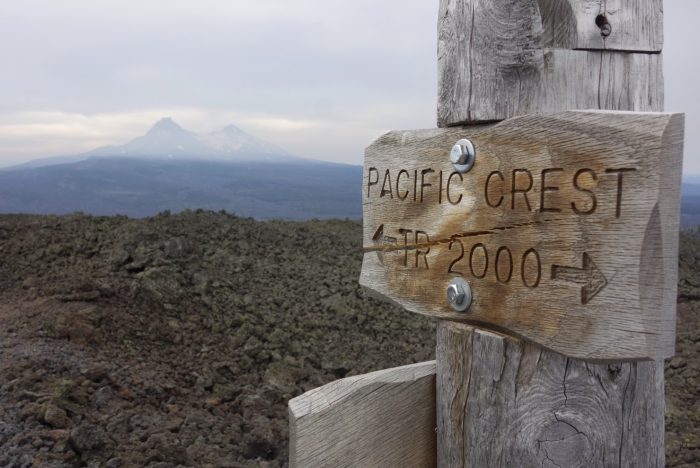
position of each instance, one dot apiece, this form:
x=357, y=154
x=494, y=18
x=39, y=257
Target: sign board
x=566, y=228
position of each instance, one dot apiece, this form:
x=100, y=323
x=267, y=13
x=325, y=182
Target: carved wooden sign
x=566, y=228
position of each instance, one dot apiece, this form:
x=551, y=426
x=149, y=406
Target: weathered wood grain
x=507, y=402
x=583, y=262
x=635, y=25
x=386, y=418
x=503, y=402
x=522, y=52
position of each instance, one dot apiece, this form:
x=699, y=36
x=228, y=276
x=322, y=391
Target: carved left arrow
x=590, y=276
x=380, y=238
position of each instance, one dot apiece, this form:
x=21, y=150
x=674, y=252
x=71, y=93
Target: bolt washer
x=463, y=156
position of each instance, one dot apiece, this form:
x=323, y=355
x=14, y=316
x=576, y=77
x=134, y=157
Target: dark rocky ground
x=178, y=340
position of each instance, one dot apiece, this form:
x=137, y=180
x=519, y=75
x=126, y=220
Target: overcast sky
x=321, y=78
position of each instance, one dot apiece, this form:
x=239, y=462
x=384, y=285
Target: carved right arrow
x=590, y=276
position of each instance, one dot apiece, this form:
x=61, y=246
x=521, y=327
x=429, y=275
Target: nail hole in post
x=603, y=24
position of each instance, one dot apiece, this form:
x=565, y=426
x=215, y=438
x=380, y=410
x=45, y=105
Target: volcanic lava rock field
x=177, y=340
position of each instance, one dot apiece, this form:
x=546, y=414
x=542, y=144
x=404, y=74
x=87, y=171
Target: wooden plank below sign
x=566, y=228
x=385, y=418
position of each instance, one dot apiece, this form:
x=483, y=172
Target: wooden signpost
x=566, y=228
x=544, y=239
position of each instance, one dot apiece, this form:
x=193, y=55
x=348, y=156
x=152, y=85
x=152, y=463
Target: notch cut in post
x=502, y=58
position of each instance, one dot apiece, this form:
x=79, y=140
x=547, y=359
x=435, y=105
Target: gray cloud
x=320, y=78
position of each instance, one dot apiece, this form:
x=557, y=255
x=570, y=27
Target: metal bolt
x=459, y=294
x=455, y=294
x=606, y=30
x=463, y=156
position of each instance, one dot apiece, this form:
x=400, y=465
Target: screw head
x=459, y=294
x=606, y=30
x=455, y=294
x=463, y=156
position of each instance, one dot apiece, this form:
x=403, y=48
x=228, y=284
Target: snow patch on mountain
x=168, y=140
x=232, y=140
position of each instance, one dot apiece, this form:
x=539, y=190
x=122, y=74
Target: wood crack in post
x=623, y=422
x=566, y=374
x=600, y=81
x=471, y=65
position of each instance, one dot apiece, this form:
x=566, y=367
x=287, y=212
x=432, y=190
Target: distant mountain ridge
x=298, y=190
x=168, y=140
x=171, y=168
x=690, y=201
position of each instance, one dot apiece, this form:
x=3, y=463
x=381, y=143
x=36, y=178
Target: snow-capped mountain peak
x=167, y=139
x=166, y=125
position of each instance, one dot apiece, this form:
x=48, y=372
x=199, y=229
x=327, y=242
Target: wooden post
x=500, y=401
